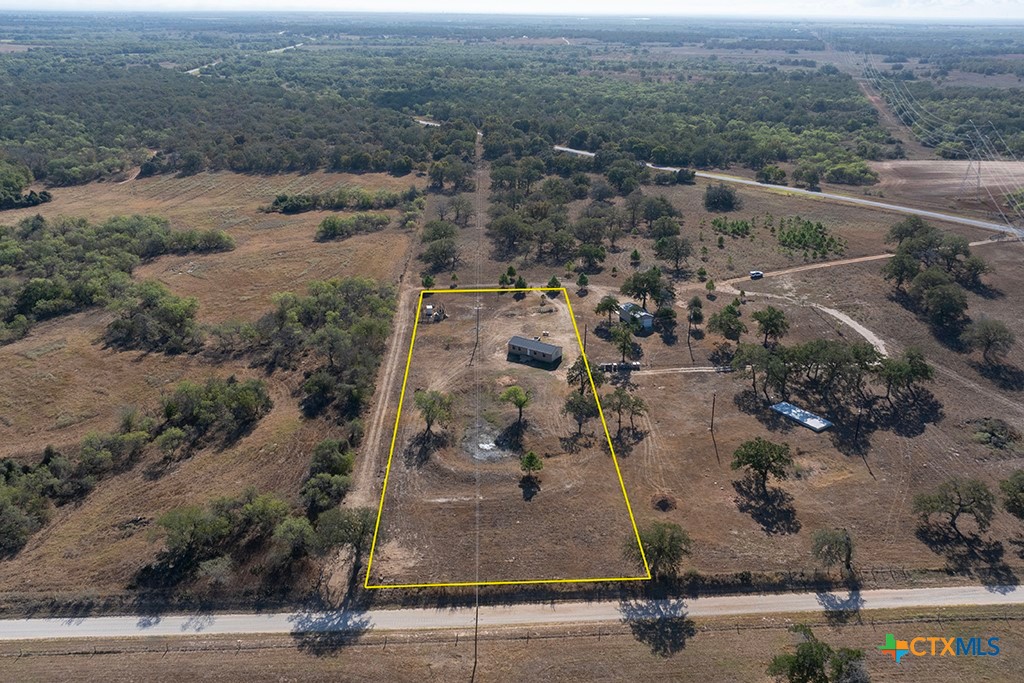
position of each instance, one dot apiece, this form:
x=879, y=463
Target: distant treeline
x=73, y=120
x=72, y=117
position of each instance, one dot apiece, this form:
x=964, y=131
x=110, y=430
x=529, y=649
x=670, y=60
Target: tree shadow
x=627, y=440
x=511, y=437
x=322, y=634
x=622, y=379
x=233, y=436
x=970, y=555
x=1018, y=543
x=423, y=445
x=851, y=432
x=575, y=442
x=603, y=330
x=662, y=625
x=950, y=336
x=166, y=572
x=909, y=413
x=530, y=486
x=722, y=355
x=753, y=404
x=1005, y=376
x=985, y=291
x=772, y=509
x=839, y=609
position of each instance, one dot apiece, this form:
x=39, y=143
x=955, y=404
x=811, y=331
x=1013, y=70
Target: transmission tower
x=972, y=176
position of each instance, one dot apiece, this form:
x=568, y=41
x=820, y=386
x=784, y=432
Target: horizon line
x=794, y=17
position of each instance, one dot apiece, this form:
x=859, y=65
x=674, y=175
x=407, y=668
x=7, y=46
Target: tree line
x=83, y=119
x=340, y=199
x=14, y=179
x=75, y=116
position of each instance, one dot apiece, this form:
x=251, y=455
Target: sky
x=967, y=10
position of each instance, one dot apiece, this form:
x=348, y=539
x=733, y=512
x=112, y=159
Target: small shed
x=525, y=350
x=804, y=417
x=629, y=312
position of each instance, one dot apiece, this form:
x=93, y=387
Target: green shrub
x=340, y=227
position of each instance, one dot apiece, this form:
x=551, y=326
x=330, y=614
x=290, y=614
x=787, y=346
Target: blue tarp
x=807, y=419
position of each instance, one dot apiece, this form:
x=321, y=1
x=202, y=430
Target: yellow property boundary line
x=604, y=424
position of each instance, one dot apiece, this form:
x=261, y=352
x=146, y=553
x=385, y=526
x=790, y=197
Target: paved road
x=935, y=215
x=514, y=615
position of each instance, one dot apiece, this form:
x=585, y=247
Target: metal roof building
x=523, y=349
x=629, y=312
x=804, y=417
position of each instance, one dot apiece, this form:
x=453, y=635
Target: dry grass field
x=457, y=507
x=274, y=252
x=726, y=649
x=945, y=185
x=61, y=383
x=871, y=494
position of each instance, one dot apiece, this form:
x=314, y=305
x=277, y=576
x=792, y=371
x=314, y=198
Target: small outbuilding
x=525, y=350
x=805, y=417
x=630, y=313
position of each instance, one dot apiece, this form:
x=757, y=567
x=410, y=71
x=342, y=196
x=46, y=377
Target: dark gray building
x=523, y=350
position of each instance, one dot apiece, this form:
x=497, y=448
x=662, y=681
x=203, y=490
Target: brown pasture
x=61, y=383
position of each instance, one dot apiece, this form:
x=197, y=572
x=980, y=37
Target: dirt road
x=376, y=444
x=730, y=287
x=841, y=262
x=463, y=618
x=374, y=450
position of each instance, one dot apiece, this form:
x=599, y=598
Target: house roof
x=534, y=345
x=634, y=309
